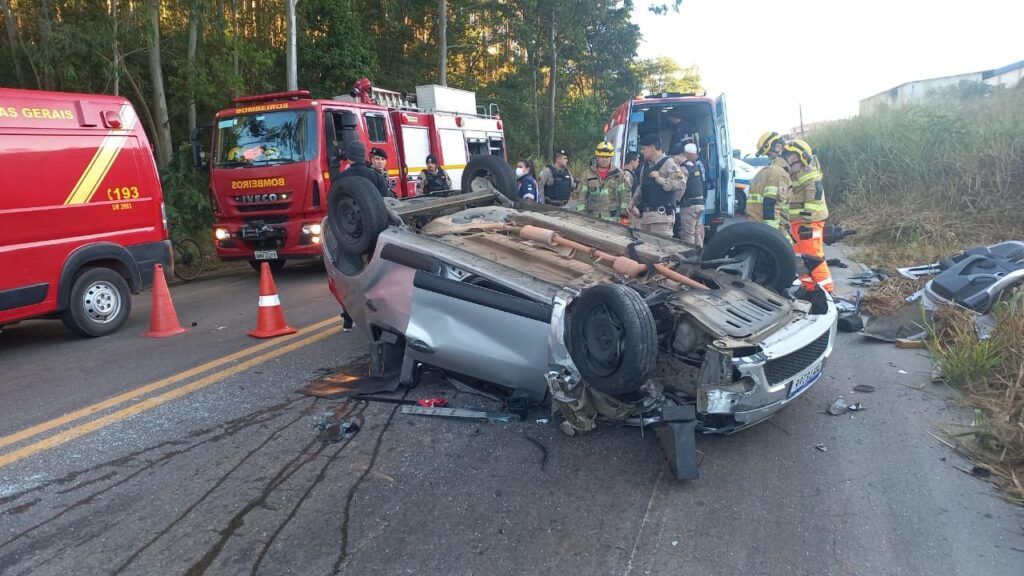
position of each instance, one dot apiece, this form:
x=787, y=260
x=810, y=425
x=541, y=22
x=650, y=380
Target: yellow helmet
x=801, y=149
x=604, y=149
x=766, y=141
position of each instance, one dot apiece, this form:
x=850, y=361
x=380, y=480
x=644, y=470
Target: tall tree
x=664, y=74
x=13, y=42
x=194, y=7
x=164, y=147
x=442, y=43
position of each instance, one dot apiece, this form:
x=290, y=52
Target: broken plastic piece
x=432, y=402
x=838, y=406
x=821, y=447
x=457, y=413
x=863, y=388
x=677, y=436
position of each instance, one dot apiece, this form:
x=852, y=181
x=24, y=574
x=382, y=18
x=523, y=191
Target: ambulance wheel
x=100, y=303
x=760, y=254
x=356, y=215
x=275, y=265
x=612, y=338
x=487, y=173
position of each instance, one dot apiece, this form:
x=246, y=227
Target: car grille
x=785, y=367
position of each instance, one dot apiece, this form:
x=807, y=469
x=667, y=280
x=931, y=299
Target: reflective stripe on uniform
x=771, y=191
x=271, y=300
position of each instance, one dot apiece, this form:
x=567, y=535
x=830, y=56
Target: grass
x=920, y=184
x=991, y=375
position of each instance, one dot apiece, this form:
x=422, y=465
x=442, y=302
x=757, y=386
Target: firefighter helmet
x=604, y=149
x=801, y=149
x=766, y=141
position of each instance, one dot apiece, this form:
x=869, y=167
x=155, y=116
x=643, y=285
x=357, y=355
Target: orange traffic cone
x=270, y=320
x=163, y=320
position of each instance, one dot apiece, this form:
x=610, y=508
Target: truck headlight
x=221, y=234
x=313, y=229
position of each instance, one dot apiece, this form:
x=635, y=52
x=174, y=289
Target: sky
x=827, y=55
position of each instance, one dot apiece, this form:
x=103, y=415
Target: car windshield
x=262, y=139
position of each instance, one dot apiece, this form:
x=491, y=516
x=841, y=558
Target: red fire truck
x=273, y=155
x=81, y=210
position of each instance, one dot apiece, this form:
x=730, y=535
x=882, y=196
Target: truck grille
x=785, y=367
x=261, y=207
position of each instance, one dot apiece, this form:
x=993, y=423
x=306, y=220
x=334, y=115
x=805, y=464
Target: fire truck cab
x=273, y=157
x=703, y=121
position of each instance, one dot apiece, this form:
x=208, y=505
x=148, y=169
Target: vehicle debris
x=821, y=447
x=864, y=388
x=840, y=407
x=432, y=402
x=331, y=430
x=850, y=322
x=457, y=413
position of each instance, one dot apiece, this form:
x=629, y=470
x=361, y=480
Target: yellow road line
x=163, y=383
x=150, y=403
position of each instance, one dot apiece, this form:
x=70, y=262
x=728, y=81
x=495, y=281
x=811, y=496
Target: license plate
x=804, y=381
x=265, y=254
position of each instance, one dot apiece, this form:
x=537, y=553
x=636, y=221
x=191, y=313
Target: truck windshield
x=262, y=139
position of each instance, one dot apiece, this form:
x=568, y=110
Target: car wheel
x=275, y=265
x=759, y=253
x=612, y=338
x=741, y=201
x=484, y=173
x=356, y=214
x=100, y=303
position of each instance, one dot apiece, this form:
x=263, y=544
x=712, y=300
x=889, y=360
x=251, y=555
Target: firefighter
x=807, y=208
x=603, y=191
x=555, y=181
x=433, y=178
x=691, y=206
x=379, y=162
x=355, y=153
x=527, y=183
x=662, y=183
x=768, y=196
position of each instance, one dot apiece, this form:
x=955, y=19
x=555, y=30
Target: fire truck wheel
x=100, y=303
x=356, y=214
x=485, y=173
x=275, y=265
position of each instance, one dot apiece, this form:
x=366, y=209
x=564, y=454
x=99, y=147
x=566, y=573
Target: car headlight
x=221, y=234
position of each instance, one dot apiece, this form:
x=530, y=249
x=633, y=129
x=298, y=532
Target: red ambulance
x=81, y=210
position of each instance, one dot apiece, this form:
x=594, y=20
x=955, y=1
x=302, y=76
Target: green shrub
x=186, y=194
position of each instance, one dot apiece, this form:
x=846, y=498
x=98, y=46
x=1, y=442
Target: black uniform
x=366, y=171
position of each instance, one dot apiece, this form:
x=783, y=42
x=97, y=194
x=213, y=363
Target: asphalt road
x=219, y=470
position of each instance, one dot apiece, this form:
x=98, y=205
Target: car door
x=472, y=329
x=726, y=177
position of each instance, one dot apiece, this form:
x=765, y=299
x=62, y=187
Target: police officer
x=556, y=182
x=630, y=171
x=355, y=153
x=433, y=178
x=807, y=208
x=603, y=191
x=661, y=186
x=691, y=205
x=379, y=162
x=768, y=196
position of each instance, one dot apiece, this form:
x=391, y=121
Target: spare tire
x=356, y=214
x=485, y=172
x=612, y=338
x=765, y=256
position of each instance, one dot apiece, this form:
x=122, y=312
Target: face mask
x=520, y=172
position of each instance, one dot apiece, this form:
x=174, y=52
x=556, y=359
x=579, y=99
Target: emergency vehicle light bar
x=294, y=94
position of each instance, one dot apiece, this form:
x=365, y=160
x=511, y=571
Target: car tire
x=612, y=338
x=275, y=265
x=495, y=169
x=775, y=261
x=741, y=201
x=356, y=215
x=100, y=303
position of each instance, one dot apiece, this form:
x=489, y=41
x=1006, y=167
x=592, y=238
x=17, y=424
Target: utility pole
x=442, y=43
x=291, y=55
x=801, y=120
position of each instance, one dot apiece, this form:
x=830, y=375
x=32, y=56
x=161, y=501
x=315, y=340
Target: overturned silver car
x=602, y=321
